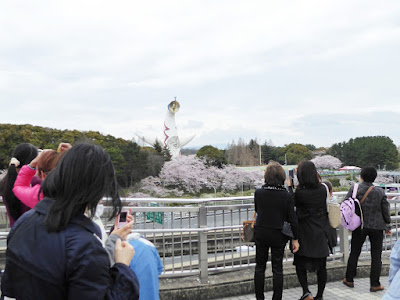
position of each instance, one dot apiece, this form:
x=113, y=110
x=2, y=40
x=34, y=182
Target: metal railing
x=195, y=236
x=203, y=236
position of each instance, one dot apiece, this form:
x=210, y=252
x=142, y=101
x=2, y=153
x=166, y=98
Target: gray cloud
x=245, y=70
x=327, y=129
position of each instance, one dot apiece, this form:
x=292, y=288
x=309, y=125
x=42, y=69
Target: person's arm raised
x=22, y=189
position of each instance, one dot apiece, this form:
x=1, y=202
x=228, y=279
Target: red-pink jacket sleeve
x=22, y=187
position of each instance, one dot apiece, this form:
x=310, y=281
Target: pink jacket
x=23, y=190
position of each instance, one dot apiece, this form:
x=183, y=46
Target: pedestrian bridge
x=334, y=290
x=199, y=242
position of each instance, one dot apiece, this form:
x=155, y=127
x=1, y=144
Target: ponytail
x=13, y=203
x=23, y=154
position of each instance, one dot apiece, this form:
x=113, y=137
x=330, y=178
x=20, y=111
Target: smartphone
x=123, y=218
x=291, y=176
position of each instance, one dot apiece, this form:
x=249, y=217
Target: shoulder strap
x=360, y=202
x=327, y=195
x=327, y=191
x=361, y=212
x=254, y=220
x=366, y=194
x=355, y=188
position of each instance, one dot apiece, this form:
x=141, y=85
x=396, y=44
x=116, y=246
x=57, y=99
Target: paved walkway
x=333, y=291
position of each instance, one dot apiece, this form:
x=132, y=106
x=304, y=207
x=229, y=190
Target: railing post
x=344, y=243
x=203, y=255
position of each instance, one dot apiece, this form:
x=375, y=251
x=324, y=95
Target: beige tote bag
x=333, y=210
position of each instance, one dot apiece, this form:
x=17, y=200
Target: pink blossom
x=189, y=174
x=327, y=162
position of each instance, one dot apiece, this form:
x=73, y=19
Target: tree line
x=254, y=153
x=132, y=162
x=377, y=151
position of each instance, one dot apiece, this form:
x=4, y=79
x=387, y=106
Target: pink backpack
x=350, y=220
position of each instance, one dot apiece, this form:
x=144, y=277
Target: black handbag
x=287, y=230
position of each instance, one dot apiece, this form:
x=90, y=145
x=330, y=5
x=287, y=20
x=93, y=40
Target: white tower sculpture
x=171, y=139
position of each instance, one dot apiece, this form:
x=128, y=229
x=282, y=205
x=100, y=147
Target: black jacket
x=314, y=228
x=70, y=264
x=273, y=207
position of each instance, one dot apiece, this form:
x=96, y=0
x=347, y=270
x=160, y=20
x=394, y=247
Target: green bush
x=341, y=189
x=335, y=181
x=348, y=178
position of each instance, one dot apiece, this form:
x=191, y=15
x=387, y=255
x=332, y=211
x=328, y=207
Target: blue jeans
x=357, y=240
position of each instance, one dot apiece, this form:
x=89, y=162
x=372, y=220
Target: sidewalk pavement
x=333, y=291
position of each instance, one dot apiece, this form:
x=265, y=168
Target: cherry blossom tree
x=326, y=162
x=189, y=174
x=383, y=179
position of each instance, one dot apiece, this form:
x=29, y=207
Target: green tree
x=131, y=164
x=377, y=151
x=296, y=153
x=162, y=151
x=398, y=156
x=166, y=154
x=158, y=147
x=270, y=152
x=212, y=155
x=310, y=147
x=155, y=162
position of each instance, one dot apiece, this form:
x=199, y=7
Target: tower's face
x=174, y=145
x=174, y=106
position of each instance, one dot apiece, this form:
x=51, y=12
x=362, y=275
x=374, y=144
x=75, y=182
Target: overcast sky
x=310, y=72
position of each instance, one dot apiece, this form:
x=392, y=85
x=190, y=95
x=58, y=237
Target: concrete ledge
x=241, y=282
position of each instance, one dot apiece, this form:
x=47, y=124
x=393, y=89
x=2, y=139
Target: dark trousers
x=357, y=240
x=262, y=248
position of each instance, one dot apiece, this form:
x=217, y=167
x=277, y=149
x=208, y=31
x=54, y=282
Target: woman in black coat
x=273, y=205
x=54, y=251
x=314, y=229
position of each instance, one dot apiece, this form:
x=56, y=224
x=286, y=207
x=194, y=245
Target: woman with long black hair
x=314, y=229
x=54, y=251
x=21, y=156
